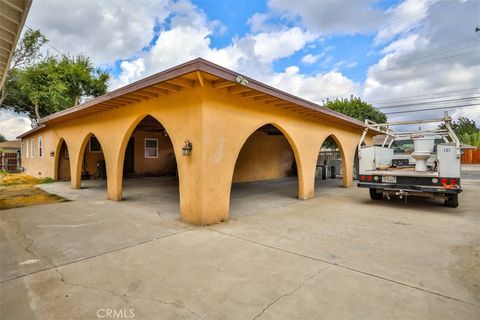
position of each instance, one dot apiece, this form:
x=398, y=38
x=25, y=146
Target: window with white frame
x=40, y=147
x=26, y=149
x=32, y=148
x=22, y=150
x=151, y=148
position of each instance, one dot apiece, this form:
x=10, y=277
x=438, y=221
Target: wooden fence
x=9, y=161
x=471, y=156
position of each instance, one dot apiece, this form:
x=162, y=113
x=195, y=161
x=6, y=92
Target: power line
x=449, y=92
x=48, y=43
x=428, y=102
x=430, y=109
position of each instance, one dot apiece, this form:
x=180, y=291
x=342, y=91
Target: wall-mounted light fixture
x=187, y=148
x=52, y=153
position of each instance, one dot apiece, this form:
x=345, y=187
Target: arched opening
x=150, y=169
x=330, y=164
x=93, y=172
x=62, y=162
x=265, y=173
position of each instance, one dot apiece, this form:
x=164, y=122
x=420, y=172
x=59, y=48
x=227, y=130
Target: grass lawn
x=19, y=190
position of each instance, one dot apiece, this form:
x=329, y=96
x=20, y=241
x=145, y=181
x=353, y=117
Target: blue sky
x=350, y=54
x=386, y=52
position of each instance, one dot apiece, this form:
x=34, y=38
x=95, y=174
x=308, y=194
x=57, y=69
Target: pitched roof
x=15, y=144
x=185, y=76
x=13, y=14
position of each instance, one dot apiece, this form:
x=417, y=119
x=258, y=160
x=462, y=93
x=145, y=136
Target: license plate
x=390, y=179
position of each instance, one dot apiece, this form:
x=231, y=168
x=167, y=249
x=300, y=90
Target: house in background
x=10, y=155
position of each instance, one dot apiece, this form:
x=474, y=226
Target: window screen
x=151, y=148
x=40, y=147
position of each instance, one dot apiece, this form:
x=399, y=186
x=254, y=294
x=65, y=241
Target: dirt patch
x=19, y=190
x=467, y=268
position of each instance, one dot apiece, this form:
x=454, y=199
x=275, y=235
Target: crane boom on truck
x=420, y=163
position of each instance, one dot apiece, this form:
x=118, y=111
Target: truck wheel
x=375, y=195
x=452, y=201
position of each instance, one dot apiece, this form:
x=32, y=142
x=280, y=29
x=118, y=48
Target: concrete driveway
x=337, y=256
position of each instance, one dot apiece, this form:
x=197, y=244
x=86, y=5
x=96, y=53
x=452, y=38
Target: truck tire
x=375, y=195
x=452, y=201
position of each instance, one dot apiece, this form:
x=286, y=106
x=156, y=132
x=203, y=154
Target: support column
x=114, y=159
x=306, y=166
x=348, y=150
x=75, y=168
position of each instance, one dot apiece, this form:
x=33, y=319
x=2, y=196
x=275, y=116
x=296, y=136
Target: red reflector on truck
x=369, y=178
x=453, y=181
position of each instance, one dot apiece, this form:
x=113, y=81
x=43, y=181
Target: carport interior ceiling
x=200, y=72
x=150, y=124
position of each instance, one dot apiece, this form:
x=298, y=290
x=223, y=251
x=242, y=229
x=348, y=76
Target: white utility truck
x=419, y=163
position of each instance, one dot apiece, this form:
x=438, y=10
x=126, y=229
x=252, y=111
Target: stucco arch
x=247, y=134
x=242, y=140
x=77, y=157
x=115, y=171
x=347, y=167
x=58, y=149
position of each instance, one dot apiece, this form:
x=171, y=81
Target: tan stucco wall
x=91, y=159
x=263, y=157
x=218, y=124
x=164, y=164
x=41, y=167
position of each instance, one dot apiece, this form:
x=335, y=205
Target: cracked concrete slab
x=61, y=233
x=340, y=294
x=200, y=272
x=337, y=256
x=409, y=243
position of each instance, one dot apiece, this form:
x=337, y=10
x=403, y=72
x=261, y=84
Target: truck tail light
x=453, y=181
x=444, y=181
x=369, y=178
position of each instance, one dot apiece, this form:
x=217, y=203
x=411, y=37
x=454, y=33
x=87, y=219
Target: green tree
x=37, y=90
x=472, y=138
x=2, y=138
x=82, y=79
x=356, y=108
x=44, y=85
x=28, y=51
x=464, y=126
x=466, y=130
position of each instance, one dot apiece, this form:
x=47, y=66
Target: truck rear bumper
x=408, y=188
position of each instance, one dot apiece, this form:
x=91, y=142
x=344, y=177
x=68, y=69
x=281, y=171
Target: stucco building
x=207, y=125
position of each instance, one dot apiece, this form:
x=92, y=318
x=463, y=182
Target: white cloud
x=270, y=46
x=316, y=87
x=472, y=113
x=439, y=55
x=259, y=22
x=13, y=124
x=104, y=30
x=310, y=58
x=330, y=17
x=189, y=38
x=403, y=18
x=131, y=71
